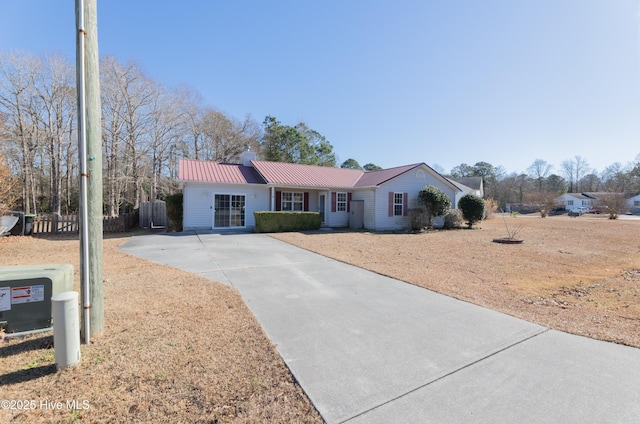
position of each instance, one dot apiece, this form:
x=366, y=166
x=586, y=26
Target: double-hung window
x=292, y=201
x=398, y=202
x=341, y=202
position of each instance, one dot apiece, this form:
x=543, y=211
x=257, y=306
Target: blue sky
x=388, y=82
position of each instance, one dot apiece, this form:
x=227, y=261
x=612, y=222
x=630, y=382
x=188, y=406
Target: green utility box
x=25, y=295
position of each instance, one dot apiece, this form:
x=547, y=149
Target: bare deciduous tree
x=539, y=170
x=225, y=138
x=613, y=204
x=165, y=129
x=17, y=76
x=617, y=178
x=136, y=92
x=55, y=97
x=581, y=169
x=544, y=201
x=569, y=171
x=113, y=113
x=192, y=111
x=8, y=185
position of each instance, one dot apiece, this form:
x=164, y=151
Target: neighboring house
x=634, y=202
x=573, y=202
x=468, y=185
x=222, y=195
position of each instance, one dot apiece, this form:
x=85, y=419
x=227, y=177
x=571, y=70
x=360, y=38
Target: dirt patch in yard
x=580, y=275
x=176, y=348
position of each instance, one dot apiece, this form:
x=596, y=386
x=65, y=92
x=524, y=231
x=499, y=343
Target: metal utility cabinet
x=25, y=295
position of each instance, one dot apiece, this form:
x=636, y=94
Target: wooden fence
x=69, y=224
x=153, y=214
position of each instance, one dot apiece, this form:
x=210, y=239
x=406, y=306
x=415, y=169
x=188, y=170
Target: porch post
x=273, y=199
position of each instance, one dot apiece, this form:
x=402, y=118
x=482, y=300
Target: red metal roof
x=374, y=178
x=287, y=174
x=214, y=172
x=293, y=174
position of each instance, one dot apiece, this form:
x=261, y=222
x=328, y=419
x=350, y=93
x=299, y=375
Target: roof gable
x=474, y=183
x=375, y=178
x=215, y=172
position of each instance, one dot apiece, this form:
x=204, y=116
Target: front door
x=228, y=210
x=321, y=201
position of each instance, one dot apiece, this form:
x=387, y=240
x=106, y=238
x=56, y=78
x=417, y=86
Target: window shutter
x=391, y=203
x=278, y=200
x=405, y=204
x=348, y=202
x=305, y=206
x=333, y=201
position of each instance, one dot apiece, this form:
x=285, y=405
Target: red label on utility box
x=27, y=294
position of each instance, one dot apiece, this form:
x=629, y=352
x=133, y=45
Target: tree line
x=539, y=184
x=147, y=127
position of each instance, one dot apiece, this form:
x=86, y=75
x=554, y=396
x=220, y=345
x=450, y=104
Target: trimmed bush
x=453, y=219
x=276, y=222
x=472, y=208
x=436, y=201
x=418, y=218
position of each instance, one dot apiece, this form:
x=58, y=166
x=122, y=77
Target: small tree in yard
x=472, y=208
x=613, y=204
x=435, y=201
x=544, y=201
x=490, y=206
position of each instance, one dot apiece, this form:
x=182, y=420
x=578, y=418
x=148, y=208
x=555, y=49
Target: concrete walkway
x=369, y=349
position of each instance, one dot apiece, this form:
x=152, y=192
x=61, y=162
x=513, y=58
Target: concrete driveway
x=370, y=349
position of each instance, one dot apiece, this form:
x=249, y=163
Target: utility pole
x=90, y=152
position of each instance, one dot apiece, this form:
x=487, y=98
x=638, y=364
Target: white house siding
x=198, y=202
x=369, y=197
x=634, y=202
x=338, y=218
x=573, y=202
x=257, y=199
x=411, y=183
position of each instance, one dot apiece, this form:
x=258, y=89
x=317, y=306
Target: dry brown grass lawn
x=179, y=348
x=176, y=348
x=580, y=275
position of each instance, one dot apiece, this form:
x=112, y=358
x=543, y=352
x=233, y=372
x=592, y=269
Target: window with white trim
x=341, y=202
x=292, y=201
x=636, y=203
x=398, y=204
x=569, y=202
